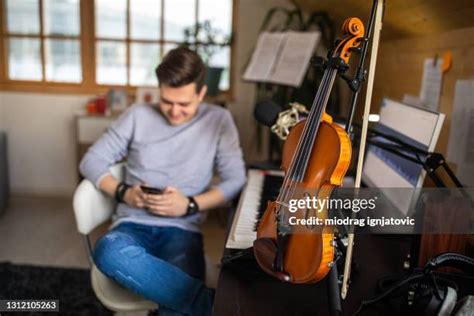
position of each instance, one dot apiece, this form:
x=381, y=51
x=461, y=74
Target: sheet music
x=431, y=83
x=264, y=56
x=282, y=58
x=461, y=142
x=295, y=56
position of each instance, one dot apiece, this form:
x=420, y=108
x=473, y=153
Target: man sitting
x=155, y=246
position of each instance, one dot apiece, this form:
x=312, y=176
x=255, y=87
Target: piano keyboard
x=262, y=185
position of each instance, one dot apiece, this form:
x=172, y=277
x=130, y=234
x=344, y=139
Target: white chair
x=91, y=209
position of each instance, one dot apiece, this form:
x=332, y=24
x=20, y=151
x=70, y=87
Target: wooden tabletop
x=243, y=289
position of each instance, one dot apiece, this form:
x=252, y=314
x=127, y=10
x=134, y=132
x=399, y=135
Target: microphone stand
x=430, y=161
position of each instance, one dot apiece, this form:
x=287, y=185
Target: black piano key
x=270, y=190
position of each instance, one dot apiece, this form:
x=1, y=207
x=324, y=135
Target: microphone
x=266, y=112
x=272, y=115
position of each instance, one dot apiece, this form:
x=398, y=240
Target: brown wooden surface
x=400, y=63
x=400, y=69
x=403, y=18
x=448, y=215
x=243, y=289
x=432, y=245
x=413, y=30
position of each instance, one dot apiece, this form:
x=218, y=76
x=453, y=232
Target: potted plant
x=207, y=41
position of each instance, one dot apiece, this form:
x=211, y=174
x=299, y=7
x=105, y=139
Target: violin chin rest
x=265, y=250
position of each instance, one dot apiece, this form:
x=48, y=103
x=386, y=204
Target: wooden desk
x=243, y=289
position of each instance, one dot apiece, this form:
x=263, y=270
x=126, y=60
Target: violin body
x=308, y=254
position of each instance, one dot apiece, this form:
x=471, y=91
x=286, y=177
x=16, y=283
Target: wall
x=1, y=110
x=41, y=131
x=400, y=62
x=41, y=149
x=403, y=18
x=250, y=15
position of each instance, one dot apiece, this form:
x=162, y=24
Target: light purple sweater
x=159, y=154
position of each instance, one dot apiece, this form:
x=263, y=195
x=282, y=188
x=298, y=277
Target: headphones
x=425, y=292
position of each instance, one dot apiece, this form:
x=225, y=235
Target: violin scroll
x=354, y=32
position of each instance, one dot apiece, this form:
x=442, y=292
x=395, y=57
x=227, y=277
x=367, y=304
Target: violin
x=316, y=156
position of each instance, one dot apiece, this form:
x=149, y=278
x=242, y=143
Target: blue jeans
x=162, y=264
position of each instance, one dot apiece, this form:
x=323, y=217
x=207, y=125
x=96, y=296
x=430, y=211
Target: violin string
x=295, y=158
x=288, y=182
x=315, y=123
x=302, y=142
x=321, y=106
x=309, y=124
x=313, y=126
x=307, y=139
x=312, y=131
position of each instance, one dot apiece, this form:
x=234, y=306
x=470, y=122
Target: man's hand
x=135, y=197
x=171, y=203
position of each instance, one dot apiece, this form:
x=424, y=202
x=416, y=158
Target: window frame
x=88, y=40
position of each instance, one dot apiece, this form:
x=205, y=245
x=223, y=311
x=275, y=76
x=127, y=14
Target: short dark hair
x=181, y=66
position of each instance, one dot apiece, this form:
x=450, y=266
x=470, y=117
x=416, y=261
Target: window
x=133, y=36
x=42, y=40
x=92, y=45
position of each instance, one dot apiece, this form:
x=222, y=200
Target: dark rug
x=71, y=287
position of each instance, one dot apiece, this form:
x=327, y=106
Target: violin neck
x=302, y=154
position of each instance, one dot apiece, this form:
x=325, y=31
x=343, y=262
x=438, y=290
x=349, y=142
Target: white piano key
x=243, y=232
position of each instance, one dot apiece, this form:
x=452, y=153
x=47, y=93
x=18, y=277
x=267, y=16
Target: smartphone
x=150, y=190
